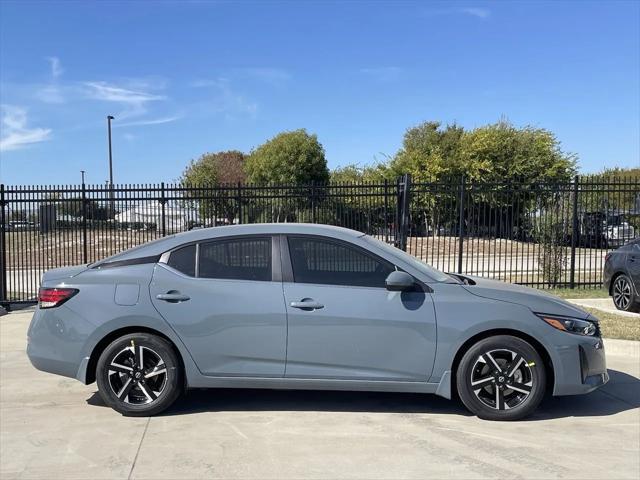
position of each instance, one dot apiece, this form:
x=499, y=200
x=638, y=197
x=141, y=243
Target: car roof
x=161, y=245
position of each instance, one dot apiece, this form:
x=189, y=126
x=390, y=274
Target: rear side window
x=321, y=261
x=236, y=259
x=184, y=260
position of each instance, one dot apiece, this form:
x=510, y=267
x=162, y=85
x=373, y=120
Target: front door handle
x=307, y=304
x=173, y=297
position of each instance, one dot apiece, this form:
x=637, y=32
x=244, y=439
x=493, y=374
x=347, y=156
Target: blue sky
x=183, y=78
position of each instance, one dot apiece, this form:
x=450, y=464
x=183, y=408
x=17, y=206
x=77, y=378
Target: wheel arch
x=92, y=364
x=537, y=345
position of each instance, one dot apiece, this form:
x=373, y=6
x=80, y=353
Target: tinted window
x=239, y=259
x=184, y=260
x=316, y=260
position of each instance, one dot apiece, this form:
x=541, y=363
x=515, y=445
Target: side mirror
x=399, y=282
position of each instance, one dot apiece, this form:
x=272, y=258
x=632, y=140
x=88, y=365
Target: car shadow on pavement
x=619, y=395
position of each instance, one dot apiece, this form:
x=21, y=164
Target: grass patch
x=578, y=292
x=617, y=326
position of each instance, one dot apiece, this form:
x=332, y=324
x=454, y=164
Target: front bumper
x=581, y=367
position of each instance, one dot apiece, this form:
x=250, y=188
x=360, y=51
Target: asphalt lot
x=52, y=427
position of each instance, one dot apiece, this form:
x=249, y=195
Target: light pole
x=82, y=172
x=109, y=118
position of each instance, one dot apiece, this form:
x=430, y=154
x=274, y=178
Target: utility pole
x=109, y=118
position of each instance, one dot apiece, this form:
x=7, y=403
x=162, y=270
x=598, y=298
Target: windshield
x=431, y=272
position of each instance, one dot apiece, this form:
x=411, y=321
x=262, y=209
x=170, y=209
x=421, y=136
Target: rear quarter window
x=184, y=260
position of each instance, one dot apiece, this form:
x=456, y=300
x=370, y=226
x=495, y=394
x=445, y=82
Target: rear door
x=344, y=324
x=224, y=298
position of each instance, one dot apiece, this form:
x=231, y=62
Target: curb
x=626, y=348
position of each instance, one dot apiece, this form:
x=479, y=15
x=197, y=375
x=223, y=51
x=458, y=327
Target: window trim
x=276, y=269
x=287, y=264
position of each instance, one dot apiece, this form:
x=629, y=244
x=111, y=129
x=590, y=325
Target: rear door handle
x=173, y=297
x=307, y=304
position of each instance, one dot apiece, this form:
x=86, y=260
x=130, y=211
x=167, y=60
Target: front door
x=227, y=310
x=344, y=324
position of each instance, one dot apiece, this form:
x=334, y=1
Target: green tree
x=289, y=158
x=502, y=152
x=215, y=169
x=429, y=152
x=354, y=173
x=498, y=152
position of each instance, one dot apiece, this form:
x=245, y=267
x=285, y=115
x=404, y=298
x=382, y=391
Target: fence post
x=386, y=206
x=461, y=232
x=574, y=234
x=3, y=250
x=313, y=202
x=402, y=213
x=85, y=256
x=162, y=207
x=239, y=198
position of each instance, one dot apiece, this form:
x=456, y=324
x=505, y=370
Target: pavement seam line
x=135, y=459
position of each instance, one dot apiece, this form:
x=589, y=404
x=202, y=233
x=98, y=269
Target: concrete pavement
x=52, y=427
x=604, y=304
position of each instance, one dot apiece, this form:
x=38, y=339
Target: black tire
x=622, y=293
x=521, y=367
x=143, y=391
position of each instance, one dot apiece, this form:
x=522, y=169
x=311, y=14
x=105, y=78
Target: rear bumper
x=55, y=341
x=582, y=367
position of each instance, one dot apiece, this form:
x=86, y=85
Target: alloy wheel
x=622, y=293
x=137, y=375
x=501, y=379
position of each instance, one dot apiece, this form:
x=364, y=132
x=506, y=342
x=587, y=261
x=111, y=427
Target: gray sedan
x=293, y=306
x=621, y=276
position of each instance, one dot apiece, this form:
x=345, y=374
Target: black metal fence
x=522, y=232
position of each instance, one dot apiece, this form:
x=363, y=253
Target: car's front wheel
x=139, y=375
x=501, y=378
x=622, y=294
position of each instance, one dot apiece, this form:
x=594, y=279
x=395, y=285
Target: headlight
x=571, y=325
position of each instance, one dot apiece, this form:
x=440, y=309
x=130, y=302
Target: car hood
x=537, y=300
x=62, y=273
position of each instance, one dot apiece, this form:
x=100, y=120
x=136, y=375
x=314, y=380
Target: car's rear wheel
x=139, y=375
x=501, y=378
x=622, y=294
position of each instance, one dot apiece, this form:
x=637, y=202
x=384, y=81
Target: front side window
x=236, y=259
x=316, y=260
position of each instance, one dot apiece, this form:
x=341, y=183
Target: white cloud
x=56, y=67
x=226, y=100
x=50, y=94
x=14, y=132
x=133, y=100
x=113, y=93
x=476, y=12
x=152, y=121
x=383, y=74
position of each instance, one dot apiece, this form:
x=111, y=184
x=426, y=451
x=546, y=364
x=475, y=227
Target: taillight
x=54, y=297
x=607, y=257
